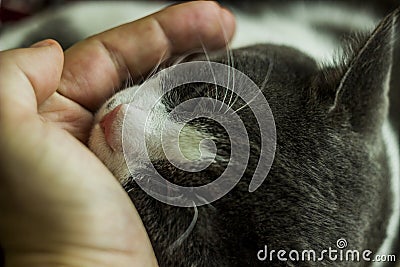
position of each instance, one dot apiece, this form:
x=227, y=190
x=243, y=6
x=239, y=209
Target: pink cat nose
x=111, y=125
x=108, y=119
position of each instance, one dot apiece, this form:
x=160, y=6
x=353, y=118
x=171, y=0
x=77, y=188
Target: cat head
x=330, y=153
x=346, y=101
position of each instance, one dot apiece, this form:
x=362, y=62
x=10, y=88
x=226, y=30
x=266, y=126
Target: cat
x=331, y=173
x=335, y=171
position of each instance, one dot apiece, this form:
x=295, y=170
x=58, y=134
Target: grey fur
x=330, y=178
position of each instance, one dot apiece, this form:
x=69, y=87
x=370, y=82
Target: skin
x=59, y=205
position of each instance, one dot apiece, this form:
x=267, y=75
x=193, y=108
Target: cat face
x=133, y=109
x=301, y=95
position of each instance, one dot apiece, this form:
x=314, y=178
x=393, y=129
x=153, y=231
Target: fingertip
x=49, y=43
x=47, y=57
x=214, y=23
x=44, y=43
x=222, y=19
x=196, y=24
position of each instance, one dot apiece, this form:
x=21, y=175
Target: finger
x=29, y=76
x=68, y=115
x=94, y=68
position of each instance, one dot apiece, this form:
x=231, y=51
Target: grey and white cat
x=336, y=169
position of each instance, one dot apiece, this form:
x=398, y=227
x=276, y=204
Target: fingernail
x=43, y=43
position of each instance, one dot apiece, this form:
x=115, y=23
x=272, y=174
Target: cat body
x=335, y=174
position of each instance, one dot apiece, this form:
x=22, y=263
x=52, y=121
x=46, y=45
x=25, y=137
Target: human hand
x=59, y=205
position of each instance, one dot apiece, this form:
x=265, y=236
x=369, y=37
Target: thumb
x=29, y=76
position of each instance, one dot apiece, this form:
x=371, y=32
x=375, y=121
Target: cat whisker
x=141, y=76
x=157, y=66
x=212, y=72
x=186, y=234
x=230, y=106
x=128, y=81
x=154, y=69
x=181, y=58
x=154, y=183
x=263, y=85
x=130, y=190
x=229, y=56
x=223, y=99
x=228, y=80
x=246, y=104
x=205, y=201
x=233, y=103
x=233, y=84
x=267, y=76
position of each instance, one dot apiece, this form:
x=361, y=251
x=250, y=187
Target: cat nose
x=108, y=119
x=110, y=126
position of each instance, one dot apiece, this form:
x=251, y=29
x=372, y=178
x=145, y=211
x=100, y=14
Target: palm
x=68, y=115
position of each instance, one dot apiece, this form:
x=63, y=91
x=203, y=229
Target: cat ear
x=359, y=88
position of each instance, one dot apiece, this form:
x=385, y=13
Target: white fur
x=392, y=148
x=136, y=119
